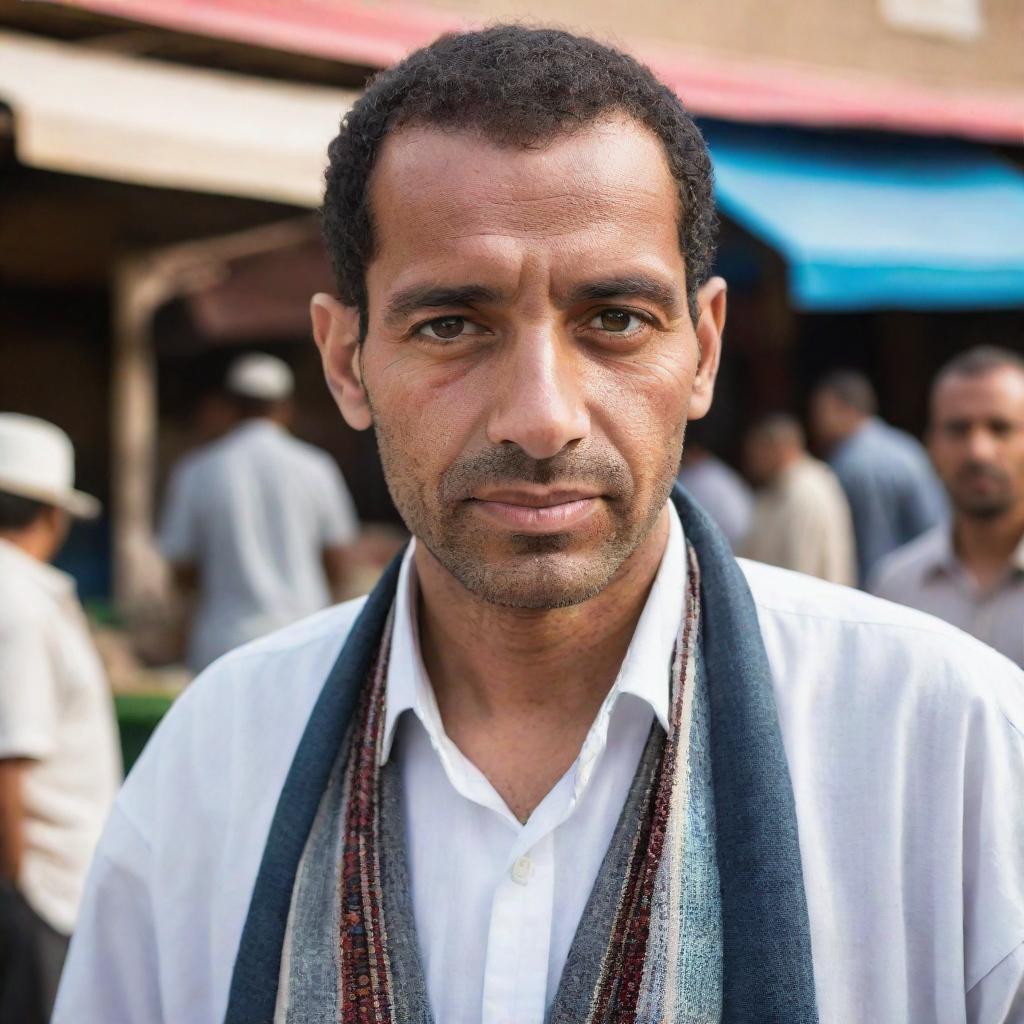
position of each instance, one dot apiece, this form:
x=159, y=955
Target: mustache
x=509, y=465
x=983, y=469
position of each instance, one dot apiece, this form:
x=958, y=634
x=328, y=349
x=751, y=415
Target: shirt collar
x=944, y=558
x=644, y=672
x=55, y=582
x=941, y=555
x=256, y=425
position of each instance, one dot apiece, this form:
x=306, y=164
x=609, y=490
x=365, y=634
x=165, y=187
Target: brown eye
x=445, y=328
x=617, y=321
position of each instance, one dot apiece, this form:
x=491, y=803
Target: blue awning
x=870, y=223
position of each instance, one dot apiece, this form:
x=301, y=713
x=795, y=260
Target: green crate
x=137, y=716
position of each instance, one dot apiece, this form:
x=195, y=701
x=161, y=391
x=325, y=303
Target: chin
x=537, y=581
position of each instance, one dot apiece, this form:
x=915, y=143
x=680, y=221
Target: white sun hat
x=37, y=460
x=265, y=378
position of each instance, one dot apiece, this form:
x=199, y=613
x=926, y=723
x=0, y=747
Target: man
x=539, y=773
x=971, y=572
x=801, y=520
x=893, y=494
x=257, y=521
x=716, y=487
x=59, y=755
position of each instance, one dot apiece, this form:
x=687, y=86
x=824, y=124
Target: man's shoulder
x=26, y=603
x=231, y=735
x=780, y=594
x=317, y=637
x=266, y=684
x=197, y=461
x=869, y=645
x=906, y=564
x=304, y=457
x=818, y=476
x=878, y=449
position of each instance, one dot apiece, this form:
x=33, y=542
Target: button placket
x=522, y=870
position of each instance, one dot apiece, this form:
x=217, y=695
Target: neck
x=985, y=546
x=519, y=688
x=36, y=543
x=531, y=657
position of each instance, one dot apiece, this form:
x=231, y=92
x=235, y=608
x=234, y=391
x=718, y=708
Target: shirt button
x=522, y=869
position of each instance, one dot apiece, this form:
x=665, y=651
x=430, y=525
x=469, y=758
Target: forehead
x=442, y=198
x=997, y=393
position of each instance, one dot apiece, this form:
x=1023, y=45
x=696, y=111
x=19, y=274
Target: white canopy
x=83, y=111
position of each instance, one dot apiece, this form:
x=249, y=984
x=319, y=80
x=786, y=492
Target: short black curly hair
x=520, y=87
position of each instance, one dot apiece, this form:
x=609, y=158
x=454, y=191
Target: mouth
x=981, y=477
x=537, y=510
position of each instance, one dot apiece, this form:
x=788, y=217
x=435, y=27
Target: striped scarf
x=698, y=912
x=645, y=912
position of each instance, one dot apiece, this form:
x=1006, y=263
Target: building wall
x=847, y=35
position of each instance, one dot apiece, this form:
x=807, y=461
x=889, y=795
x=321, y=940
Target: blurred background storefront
x=160, y=162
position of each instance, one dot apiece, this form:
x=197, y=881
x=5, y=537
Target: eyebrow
x=641, y=286
x=417, y=297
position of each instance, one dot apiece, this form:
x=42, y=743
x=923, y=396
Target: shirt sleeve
x=179, y=528
x=28, y=692
x=112, y=970
x=999, y=997
x=339, y=524
x=993, y=862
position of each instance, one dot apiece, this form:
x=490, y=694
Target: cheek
x=643, y=411
x=424, y=413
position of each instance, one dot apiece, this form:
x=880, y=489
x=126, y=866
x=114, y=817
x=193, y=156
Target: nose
x=539, y=402
x=981, y=445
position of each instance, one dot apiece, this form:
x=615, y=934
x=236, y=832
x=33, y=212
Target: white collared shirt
x=56, y=712
x=905, y=744
x=498, y=898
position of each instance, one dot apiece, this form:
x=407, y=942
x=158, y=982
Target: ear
x=710, y=325
x=336, y=332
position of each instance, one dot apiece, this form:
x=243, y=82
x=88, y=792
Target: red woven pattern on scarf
x=364, y=976
x=618, y=991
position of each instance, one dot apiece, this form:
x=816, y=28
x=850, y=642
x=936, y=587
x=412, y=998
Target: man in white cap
x=256, y=522
x=59, y=757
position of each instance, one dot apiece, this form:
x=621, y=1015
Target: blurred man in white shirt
x=59, y=756
x=257, y=522
x=801, y=520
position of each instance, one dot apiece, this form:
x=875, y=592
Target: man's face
x=530, y=361
x=826, y=419
x=760, y=459
x=976, y=441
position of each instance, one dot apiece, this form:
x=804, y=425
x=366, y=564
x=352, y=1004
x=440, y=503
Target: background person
x=971, y=572
x=889, y=483
x=256, y=522
x=60, y=763
x=800, y=520
x=716, y=487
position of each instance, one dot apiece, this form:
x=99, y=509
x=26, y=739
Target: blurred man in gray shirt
x=892, y=490
x=971, y=573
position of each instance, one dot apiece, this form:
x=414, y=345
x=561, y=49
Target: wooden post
x=139, y=577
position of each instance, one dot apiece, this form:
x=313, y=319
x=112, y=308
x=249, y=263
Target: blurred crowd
x=257, y=527
x=938, y=528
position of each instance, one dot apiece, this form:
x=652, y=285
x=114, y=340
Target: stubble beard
x=986, y=507
x=533, y=572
